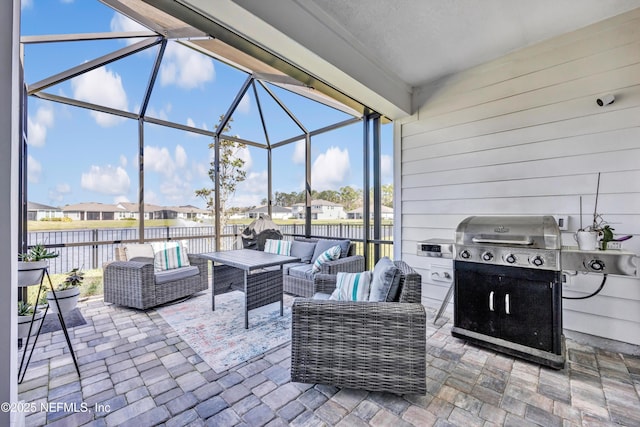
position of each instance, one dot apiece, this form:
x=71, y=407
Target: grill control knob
x=511, y=258
x=487, y=256
x=596, y=265
x=465, y=254
x=537, y=261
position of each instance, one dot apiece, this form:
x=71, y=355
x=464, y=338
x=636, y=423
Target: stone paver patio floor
x=137, y=371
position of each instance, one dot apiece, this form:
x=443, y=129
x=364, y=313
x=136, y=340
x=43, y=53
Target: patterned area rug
x=219, y=337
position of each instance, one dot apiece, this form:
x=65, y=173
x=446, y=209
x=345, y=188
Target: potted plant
x=31, y=264
x=598, y=231
x=25, y=314
x=67, y=293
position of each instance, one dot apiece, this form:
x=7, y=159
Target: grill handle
x=520, y=242
x=491, y=308
x=507, y=305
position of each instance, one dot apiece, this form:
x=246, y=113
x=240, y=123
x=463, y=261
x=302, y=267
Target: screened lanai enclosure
x=148, y=105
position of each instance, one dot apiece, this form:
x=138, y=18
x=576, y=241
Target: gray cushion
x=321, y=296
x=285, y=267
x=174, y=274
x=324, y=244
x=385, y=282
x=146, y=260
x=302, y=250
x=302, y=271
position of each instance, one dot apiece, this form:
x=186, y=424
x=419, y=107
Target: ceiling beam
x=205, y=16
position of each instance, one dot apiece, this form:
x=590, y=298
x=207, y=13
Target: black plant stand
x=21, y=372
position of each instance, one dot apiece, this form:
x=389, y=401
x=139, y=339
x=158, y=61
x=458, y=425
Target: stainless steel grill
x=507, y=286
x=520, y=241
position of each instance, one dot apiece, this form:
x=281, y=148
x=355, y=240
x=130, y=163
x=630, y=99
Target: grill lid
x=530, y=232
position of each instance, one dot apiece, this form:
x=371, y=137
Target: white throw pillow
x=138, y=250
x=169, y=255
x=352, y=286
x=278, y=247
x=330, y=254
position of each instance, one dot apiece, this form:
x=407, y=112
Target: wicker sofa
x=375, y=346
x=135, y=283
x=298, y=278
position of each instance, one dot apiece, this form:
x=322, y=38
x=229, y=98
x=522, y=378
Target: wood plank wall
x=523, y=135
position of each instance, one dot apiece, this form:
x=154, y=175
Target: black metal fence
x=91, y=249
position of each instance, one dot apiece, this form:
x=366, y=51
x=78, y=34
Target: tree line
x=347, y=196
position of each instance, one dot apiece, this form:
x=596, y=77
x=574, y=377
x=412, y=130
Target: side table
x=21, y=372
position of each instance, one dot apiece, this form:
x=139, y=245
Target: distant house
x=277, y=212
x=385, y=212
x=130, y=210
x=320, y=209
x=191, y=213
x=92, y=211
x=38, y=212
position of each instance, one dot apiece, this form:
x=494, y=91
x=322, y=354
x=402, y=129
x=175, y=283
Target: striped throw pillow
x=329, y=255
x=169, y=255
x=279, y=247
x=352, y=286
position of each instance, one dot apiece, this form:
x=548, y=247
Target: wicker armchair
x=133, y=283
x=375, y=346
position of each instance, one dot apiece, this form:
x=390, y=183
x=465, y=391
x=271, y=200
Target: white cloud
x=123, y=160
x=34, y=170
x=106, y=180
x=63, y=188
x=299, y=153
x=122, y=199
x=151, y=197
x=181, y=156
x=190, y=122
x=386, y=166
x=245, y=154
x=120, y=23
x=330, y=169
x=58, y=193
x=185, y=67
x=159, y=160
x=256, y=183
x=176, y=188
x=251, y=191
x=38, y=126
x=177, y=175
x=102, y=87
x=26, y=4
x=163, y=114
x=244, y=106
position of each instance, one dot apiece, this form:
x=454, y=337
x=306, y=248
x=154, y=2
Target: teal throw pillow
x=352, y=286
x=330, y=254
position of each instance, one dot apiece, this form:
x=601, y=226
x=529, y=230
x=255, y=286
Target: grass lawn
x=74, y=225
x=92, y=285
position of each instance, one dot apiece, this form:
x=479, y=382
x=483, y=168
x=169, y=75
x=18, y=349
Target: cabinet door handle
x=506, y=304
x=491, y=301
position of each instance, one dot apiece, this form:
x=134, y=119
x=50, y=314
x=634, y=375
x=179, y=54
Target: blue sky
x=77, y=155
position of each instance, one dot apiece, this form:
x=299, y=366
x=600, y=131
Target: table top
x=248, y=259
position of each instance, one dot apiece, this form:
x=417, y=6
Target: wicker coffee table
x=243, y=265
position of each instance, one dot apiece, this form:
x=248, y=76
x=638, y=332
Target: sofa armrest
x=351, y=264
x=376, y=346
x=324, y=283
x=130, y=283
x=203, y=267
